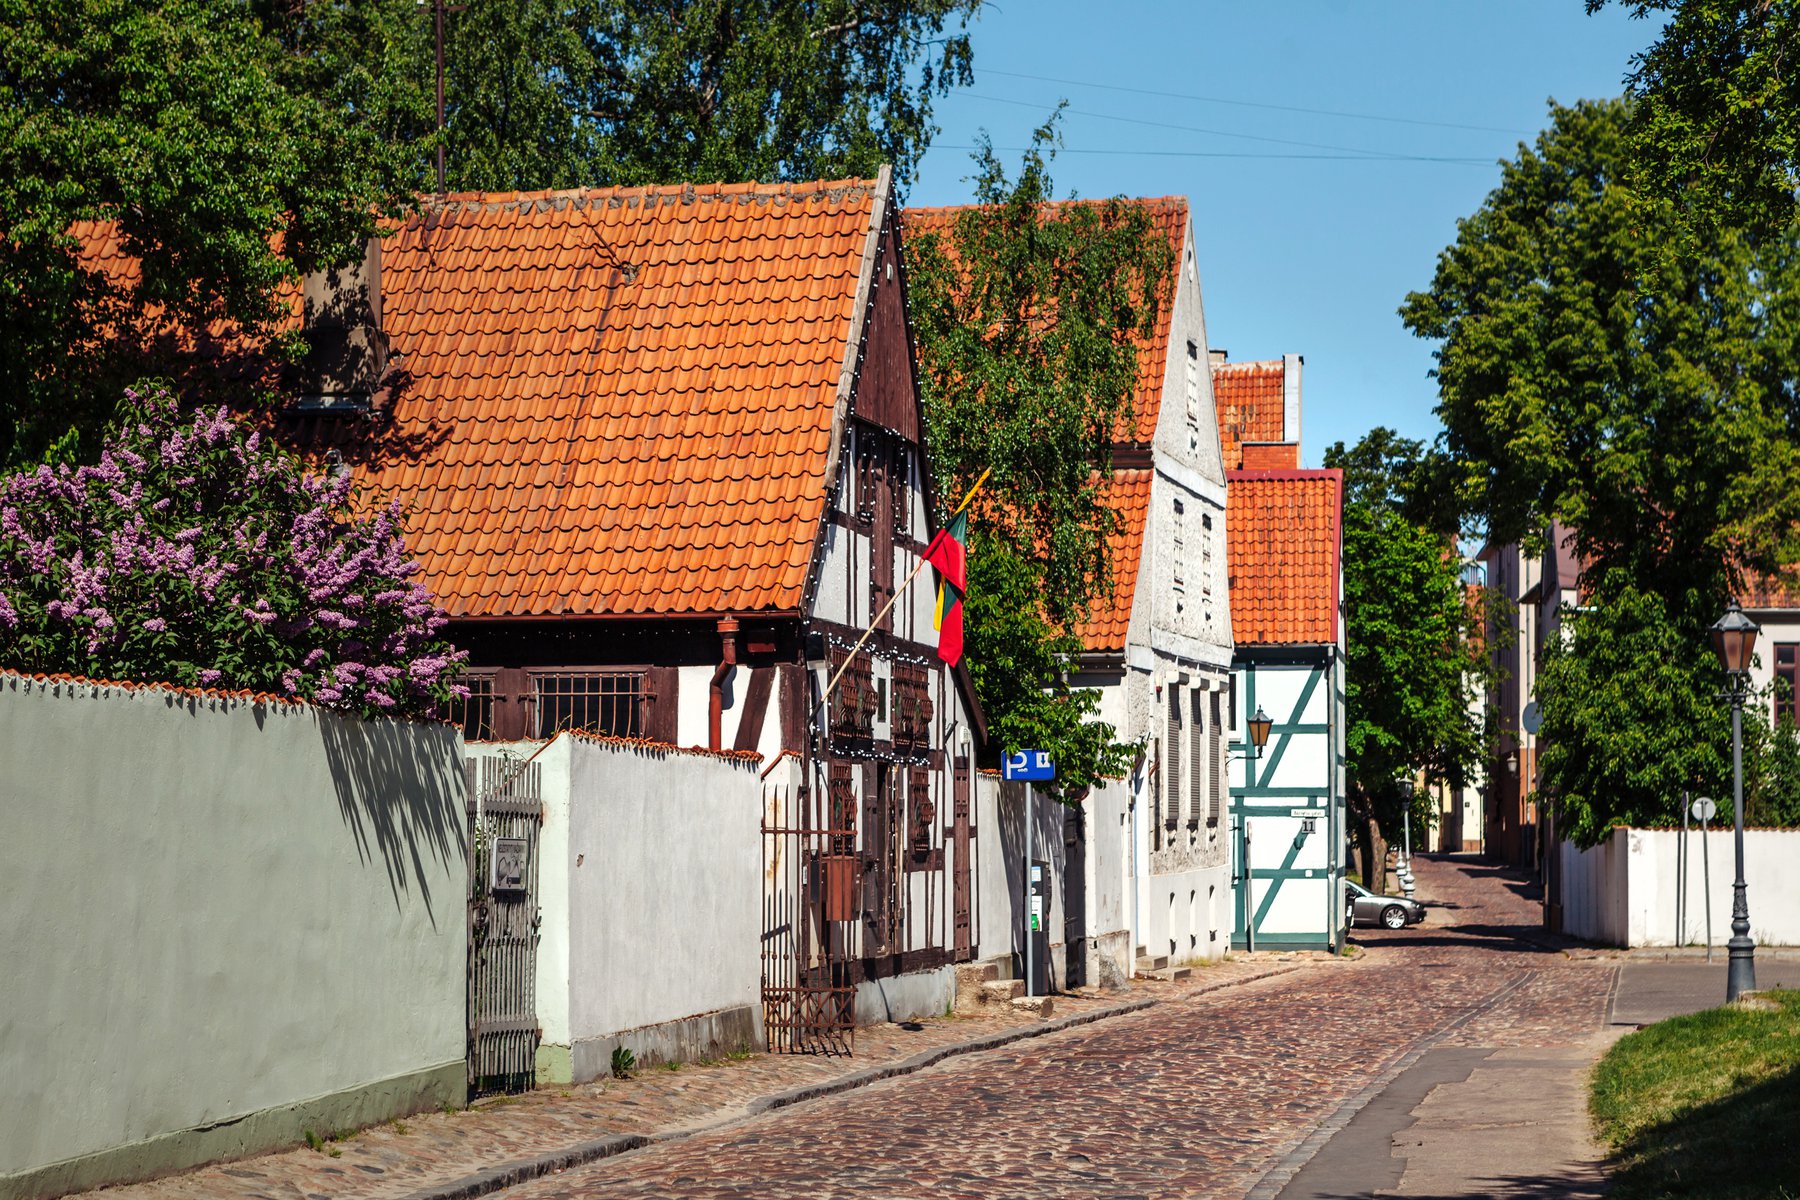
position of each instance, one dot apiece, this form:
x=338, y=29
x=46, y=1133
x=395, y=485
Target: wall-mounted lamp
x=1259, y=731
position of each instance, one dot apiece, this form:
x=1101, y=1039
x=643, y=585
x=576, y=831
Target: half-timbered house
x=662, y=449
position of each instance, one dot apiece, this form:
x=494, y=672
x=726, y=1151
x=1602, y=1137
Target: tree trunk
x=1374, y=856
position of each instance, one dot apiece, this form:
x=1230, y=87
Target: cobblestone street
x=1203, y=1096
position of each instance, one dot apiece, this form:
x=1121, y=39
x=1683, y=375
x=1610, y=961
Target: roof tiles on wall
x=1285, y=548
x=1249, y=400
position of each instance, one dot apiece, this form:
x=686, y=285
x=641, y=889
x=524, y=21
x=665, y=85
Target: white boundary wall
x=1623, y=892
x=650, y=886
x=226, y=920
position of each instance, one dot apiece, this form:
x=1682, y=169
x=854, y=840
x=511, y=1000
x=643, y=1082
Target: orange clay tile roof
x=1128, y=495
x=1250, y=405
x=1285, y=545
x=1169, y=214
x=617, y=401
x=1778, y=591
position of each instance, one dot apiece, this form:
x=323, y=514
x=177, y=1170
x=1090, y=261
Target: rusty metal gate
x=505, y=815
x=811, y=885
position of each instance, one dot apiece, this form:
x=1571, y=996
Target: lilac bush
x=197, y=552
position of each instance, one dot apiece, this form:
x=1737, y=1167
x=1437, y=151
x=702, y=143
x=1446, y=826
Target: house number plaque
x=506, y=872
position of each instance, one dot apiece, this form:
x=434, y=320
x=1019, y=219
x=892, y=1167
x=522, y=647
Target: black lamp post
x=1733, y=640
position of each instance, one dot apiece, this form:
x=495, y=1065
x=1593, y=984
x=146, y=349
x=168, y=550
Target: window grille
x=922, y=812
x=1787, y=682
x=1172, y=760
x=604, y=702
x=854, y=702
x=475, y=712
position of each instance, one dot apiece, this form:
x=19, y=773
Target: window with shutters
x=1172, y=760
x=841, y=794
x=1198, y=745
x=854, y=702
x=1220, y=773
x=912, y=707
x=921, y=814
x=1206, y=554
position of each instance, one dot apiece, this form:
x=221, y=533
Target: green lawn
x=1705, y=1106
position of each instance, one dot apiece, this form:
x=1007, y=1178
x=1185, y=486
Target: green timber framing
x=1256, y=797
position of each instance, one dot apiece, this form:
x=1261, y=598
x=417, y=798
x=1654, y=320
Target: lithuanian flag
x=947, y=554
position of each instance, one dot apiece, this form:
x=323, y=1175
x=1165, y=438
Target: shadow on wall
x=400, y=789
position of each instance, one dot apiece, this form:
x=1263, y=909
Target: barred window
x=475, y=712
x=605, y=702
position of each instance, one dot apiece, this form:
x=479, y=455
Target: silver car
x=1363, y=907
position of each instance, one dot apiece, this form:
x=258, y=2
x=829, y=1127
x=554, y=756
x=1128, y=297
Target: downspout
x=715, y=703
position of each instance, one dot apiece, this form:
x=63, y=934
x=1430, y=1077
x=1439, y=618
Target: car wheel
x=1393, y=917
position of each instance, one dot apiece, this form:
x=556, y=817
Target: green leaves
x=1027, y=317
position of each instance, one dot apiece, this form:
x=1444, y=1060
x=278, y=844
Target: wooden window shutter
x=1198, y=748
x=1221, y=770
x=1172, y=759
x=662, y=721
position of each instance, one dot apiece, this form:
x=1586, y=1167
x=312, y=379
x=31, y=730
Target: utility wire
x=1317, y=112
x=1364, y=158
x=1347, y=151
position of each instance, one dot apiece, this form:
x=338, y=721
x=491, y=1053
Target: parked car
x=1363, y=907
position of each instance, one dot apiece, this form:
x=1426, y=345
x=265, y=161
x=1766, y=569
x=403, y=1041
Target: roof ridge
x=688, y=193
x=1166, y=201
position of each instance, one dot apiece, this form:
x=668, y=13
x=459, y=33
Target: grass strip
x=1705, y=1105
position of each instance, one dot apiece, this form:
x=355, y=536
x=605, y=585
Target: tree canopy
x=1028, y=316
x=609, y=92
x=228, y=175
x=1412, y=665
x=1716, y=133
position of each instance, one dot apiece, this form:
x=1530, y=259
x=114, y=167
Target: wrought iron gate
x=505, y=814
x=811, y=887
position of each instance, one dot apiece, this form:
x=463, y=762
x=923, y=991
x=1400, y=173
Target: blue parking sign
x=1032, y=766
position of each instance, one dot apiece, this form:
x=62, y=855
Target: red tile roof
x=1128, y=494
x=619, y=401
x=1779, y=591
x=1170, y=215
x=1285, y=546
x=1249, y=400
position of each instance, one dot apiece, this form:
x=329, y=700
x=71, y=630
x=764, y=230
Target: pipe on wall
x=715, y=703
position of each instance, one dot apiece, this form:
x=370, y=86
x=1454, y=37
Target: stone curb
x=484, y=1183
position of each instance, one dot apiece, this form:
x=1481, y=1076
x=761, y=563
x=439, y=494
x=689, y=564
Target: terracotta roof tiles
x=1284, y=539
x=1170, y=215
x=620, y=400
x=1127, y=493
x=1249, y=400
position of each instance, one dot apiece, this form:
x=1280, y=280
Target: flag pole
x=869, y=632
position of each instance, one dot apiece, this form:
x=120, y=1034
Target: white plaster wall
x=1108, y=864
x=1186, y=914
x=215, y=907
x=1623, y=892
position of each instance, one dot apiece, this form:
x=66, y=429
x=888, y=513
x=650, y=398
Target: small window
x=1194, y=350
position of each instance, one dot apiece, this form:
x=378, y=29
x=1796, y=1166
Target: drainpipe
x=715, y=712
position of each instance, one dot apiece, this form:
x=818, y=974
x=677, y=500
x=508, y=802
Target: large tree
x=1717, y=126
x=1413, y=669
x=228, y=174
x=1029, y=315
x=618, y=92
x=1646, y=401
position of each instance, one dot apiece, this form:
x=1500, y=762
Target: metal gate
x=811, y=885
x=505, y=814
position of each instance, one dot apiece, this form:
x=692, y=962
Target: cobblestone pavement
x=1200, y=1096
x=425, y=1152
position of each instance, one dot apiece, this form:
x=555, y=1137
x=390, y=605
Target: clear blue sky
x=1297, y=255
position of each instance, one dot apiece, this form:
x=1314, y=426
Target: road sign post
x=1029, y=766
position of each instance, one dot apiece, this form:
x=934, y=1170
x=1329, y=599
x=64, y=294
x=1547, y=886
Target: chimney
x=1215, y=358
x=1290, y=397
x=346, y=351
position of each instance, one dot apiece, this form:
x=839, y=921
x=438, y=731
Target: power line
x=1348, y=151
x=1363, y=158
x=1317, y=112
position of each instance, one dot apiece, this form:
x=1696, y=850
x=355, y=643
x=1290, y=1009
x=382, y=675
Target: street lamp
x=1733, y=640
x=1259, y=731
x=1405, y=872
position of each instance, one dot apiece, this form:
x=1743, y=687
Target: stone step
x=1040, y=1005
x=1169, y=974
x=1002, y=990
x=1149, y=962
